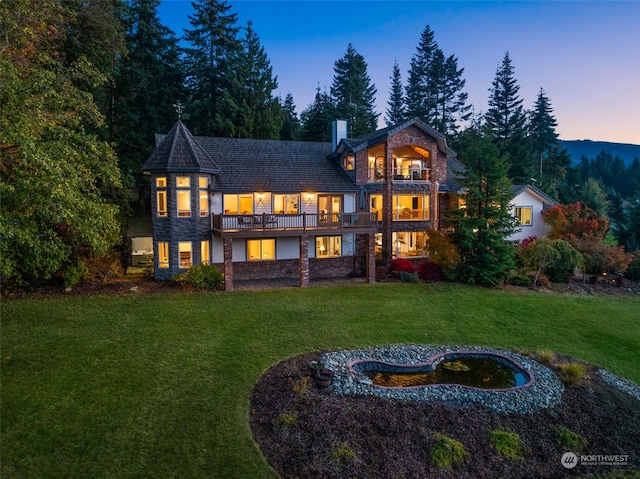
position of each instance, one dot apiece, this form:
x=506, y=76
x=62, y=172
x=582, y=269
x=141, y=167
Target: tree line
x=87, y=84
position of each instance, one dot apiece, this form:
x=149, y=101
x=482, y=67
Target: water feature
x=477, y=370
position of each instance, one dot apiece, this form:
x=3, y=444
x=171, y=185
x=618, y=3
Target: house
x=264, y=209
x=527, y=206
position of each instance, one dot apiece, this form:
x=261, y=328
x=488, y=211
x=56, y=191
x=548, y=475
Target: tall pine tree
x=251, y=110
x=395, y=106
x=354, y=94
x=213, y=44
x=451, y=99
x=420, y=88
x=507, y=122
x=554, y=160
x=291, y=128
x=482, y=226
x=316, y=118
x=149, y=81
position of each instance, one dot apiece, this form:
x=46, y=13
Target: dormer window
x=348, y=162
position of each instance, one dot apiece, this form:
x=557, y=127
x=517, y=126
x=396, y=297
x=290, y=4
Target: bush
x=519, y=280
x=407, y=277
x=446, y=451
x=507, y=443
x=572, y=374
x=571, y=440
x=555, y=258
x=401, y=264
x=202, y=276
x=75, y=273
x=441, y=251
x=430, y=271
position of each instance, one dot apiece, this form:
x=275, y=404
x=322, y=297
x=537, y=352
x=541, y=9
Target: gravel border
x=545, y=391
x=620, y=383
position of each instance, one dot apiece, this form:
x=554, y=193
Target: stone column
x=227, y=244
x=371, y=258
x=303, y=269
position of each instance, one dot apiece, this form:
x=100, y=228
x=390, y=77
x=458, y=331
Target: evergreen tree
x=56, y=177
x=213, y=44
x=396, y=108
x=148, y=83
x=451, y=100
x=291, y=128
x=353, y=94
x=482, y=226
x=250, y=109
x=316, y=118
x=420, y=88
x=554, y=160
x=507, y=123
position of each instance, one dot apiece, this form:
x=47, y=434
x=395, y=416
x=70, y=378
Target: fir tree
x=250, y=109
x=353, y=94
x=420, y=88
x=554, y=160
x=507, y=123
x=213, y=44
x=451, y=100
x=316, y=118
x=482, y=226
x=291, y=128
x=396, y=108
x=148, y=83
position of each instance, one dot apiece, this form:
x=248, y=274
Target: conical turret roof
x=180, y=152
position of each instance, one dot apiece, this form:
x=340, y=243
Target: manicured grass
x=158, y=385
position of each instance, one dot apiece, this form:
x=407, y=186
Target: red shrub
x=430, y=271
x=527, y=241
x=401, y=264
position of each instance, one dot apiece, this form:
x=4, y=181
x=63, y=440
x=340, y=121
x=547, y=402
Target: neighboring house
x=527, y=206
x=264, y=209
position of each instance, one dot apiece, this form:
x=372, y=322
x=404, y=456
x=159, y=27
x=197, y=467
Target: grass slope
x=159, y=385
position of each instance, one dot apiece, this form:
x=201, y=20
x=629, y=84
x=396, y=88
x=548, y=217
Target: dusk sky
x=585, y=54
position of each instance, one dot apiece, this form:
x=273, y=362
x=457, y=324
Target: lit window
x=163, y=255
x=204, y=252
x=408, y=207
x=348, y=162
x=238, y=204
x=182, y=182
x=203, y=183
x=161, y=196
x=328, y=246
x=376, y=205
x=286, y=204
x=261, y=249
x=162, y=203
x=524, y=215
x=184, y=203
x=184, y=250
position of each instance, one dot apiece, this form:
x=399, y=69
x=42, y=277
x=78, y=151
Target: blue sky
x=585, y=54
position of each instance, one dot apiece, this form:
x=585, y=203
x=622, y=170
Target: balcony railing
x=267, y=224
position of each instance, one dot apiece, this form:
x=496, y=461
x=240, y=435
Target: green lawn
x=158, y=386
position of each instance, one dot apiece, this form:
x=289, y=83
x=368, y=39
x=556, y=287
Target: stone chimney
x=338, y=132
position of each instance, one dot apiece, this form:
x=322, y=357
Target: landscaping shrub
x=430, y=271
x=202, y=276
x=447, y=452
x=555, y=258
x=572, y=374
x=441, y=251
x=571, y=440
x=406, y=277
x=342, y=454
x=517, y=279
x=507, y=443
x=402, y=264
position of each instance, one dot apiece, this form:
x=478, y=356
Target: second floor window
x=203, y=189
x=161, y=196
x=183, y=194
x=286, y=204
x=410, y=207
x=238, y=204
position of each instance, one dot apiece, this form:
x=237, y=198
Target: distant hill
x=577, y=148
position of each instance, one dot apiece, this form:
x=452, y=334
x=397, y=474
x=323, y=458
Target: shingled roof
x=265, y=165
x=179, y=151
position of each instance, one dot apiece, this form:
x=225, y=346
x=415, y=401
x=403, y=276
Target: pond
x=477, y=370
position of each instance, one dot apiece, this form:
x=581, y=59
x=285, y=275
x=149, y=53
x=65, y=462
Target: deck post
x=304, y=262
x=227, y=247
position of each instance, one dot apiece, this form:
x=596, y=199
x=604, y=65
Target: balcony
x=266, y=224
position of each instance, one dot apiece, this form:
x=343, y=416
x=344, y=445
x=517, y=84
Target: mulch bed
x=307, y=432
